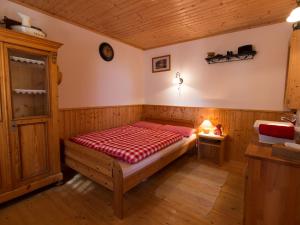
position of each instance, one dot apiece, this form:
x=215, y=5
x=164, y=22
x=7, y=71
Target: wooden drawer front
x=33, y=150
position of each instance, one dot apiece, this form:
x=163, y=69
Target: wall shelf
x=230, y=58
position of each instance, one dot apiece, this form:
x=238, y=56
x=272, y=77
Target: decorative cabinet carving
x=29, y=143
x=292, y=95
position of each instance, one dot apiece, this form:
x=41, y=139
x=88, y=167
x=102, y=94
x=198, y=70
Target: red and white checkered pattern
x=129, y=143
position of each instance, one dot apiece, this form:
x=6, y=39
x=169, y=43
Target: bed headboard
x=176, y=122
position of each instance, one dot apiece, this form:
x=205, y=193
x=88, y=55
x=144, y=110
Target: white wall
x=87, y=79
x=253, y=84
x=90, y=81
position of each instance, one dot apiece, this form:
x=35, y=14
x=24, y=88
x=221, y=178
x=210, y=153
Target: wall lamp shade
x=178, y=80
x=295, y=14
x=206, y=126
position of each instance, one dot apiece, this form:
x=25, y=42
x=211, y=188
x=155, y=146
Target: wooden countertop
x=264, y=152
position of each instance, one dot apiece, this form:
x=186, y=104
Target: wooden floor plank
x=179, y=194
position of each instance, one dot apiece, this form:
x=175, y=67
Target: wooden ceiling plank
x=153, y=24
x=193, y=22
x=148, y=24
x=166, y=41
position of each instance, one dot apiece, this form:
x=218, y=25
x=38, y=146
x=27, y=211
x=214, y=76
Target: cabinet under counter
x=272, y=195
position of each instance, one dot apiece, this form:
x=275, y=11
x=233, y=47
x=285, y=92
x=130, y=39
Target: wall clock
x=106, y=51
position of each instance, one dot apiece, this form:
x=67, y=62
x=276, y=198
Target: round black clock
x=106, y=51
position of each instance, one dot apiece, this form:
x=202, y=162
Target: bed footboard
x=108, y=172
x=100, y=168
x=94, y=165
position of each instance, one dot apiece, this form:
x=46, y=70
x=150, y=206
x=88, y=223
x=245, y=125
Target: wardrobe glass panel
x=29, y=84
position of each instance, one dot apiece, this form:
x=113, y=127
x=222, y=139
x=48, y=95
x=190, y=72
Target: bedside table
x=213, y=141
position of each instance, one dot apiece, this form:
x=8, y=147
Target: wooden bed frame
x=107, y=171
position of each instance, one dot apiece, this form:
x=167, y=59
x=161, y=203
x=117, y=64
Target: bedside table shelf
x=208, y=143
x=215, y=141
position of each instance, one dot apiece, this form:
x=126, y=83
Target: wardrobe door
x=292, y=92
x=5, y=170
x=29, y=110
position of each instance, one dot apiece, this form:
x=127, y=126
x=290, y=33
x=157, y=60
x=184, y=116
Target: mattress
x=129, y=169
x=128, y=143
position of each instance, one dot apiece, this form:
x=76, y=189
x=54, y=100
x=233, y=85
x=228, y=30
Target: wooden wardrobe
x=292, y=92
x=29, y=142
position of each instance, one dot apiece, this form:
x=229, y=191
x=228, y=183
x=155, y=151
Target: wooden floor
x=82, y=202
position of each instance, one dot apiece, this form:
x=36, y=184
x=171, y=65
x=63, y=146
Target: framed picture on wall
x=161, y=63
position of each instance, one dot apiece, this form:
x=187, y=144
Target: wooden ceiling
x=152, y=23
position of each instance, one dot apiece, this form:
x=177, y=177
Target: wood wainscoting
x=238, y=124
x=75, y=121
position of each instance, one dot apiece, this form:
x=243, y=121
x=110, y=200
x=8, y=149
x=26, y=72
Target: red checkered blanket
x=128, y=143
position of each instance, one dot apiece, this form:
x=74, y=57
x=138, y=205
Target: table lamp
x=206, y=126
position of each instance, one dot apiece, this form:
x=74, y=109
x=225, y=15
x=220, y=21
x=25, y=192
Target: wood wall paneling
x=149, y=24
x=238, y=124
x=81, y=120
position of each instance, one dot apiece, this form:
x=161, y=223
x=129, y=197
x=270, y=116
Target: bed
x=119, y=176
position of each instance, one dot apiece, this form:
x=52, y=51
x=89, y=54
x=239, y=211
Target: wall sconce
x=178, y=80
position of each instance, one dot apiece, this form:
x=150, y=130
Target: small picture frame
x=161, y=63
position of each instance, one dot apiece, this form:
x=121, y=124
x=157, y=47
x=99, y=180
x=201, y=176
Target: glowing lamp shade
x=206, y=126
x=294, y=16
